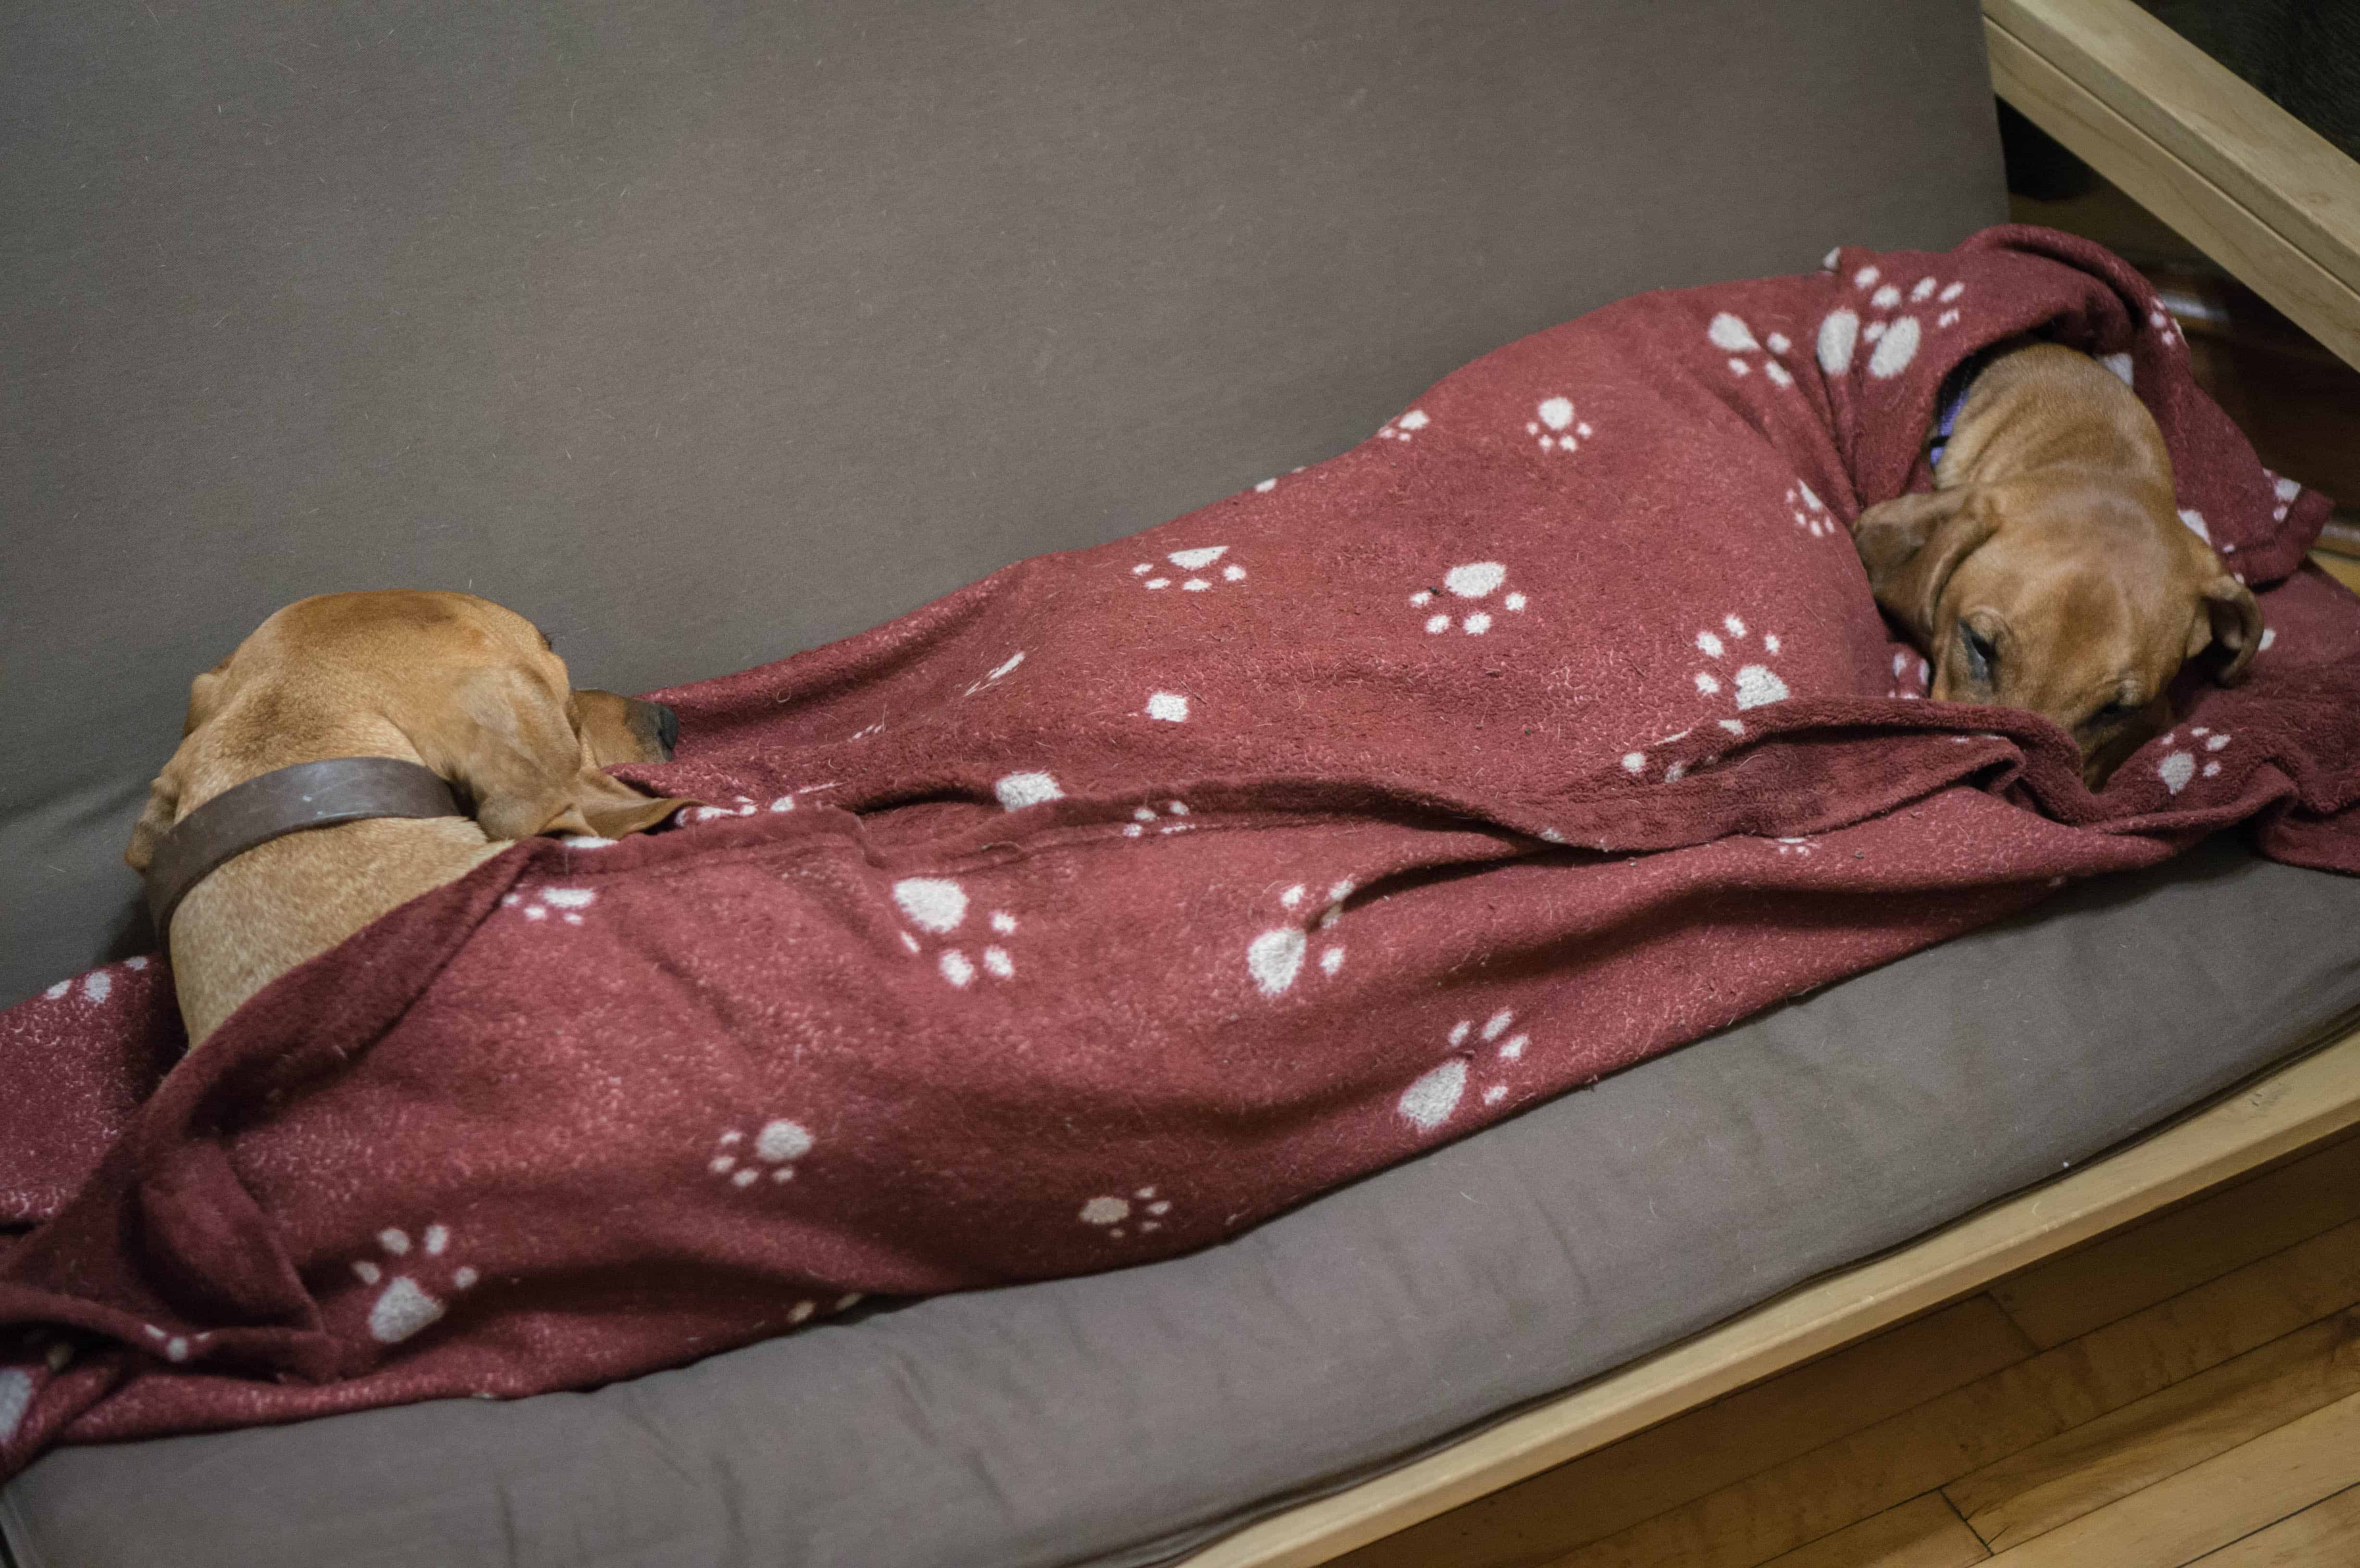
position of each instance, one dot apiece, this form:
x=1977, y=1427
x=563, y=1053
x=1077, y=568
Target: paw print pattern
x=2180, y=765
x=1405, y=428
x=404, y=1306
x=1275, y=958
x=1730, y=334
x=1144, y=817
x=1143, y=1211
x=1896, y=337
x=1811, y=513
x=1754, y=685
x=95, y=986
x=2286, y=490
x=1557, y=427
x=1478, y=580
x=1795, y=846
x=2167, y=331
x=792, y=800
x=1435, y=1096
x=565, y=903
x=743, y=806
x=1193, y=570
x=777, y=1143
x=938, y=906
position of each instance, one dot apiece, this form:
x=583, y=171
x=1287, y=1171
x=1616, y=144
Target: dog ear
x=1913, y=544
x=517, y=752
x=2233, y=618
x=163, y=808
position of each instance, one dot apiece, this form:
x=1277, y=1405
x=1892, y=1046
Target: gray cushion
x=702, y=332
x=1118, y=1418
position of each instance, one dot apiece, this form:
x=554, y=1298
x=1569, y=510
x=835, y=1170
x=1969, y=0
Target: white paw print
x=791, y=800
x=1275, y=958
x=95, y=986
x=1476, y=581
x=1754, y=685
x=404, y=1306
x=1896, y=337
x=2167, y=331
x=170, y=1346
x=2286, y=490
x=1730, y=334
x=993, y=676
x=1400, y=429
x=1435, y=1097
x=565, y=903
x=1811, y=513
x=1912, y=676
x=1798, y=846
x=777, y=1143
x=1557, y=427
x=1191, y=569
x=1143, y=818
x=743, y=806
x=2179, y=767
x=1143, y=1210
x=938, y=906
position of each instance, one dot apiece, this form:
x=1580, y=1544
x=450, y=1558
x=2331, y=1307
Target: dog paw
x=1142, y=1210
x=1191, y=569
x=1557, y=427
x=1275, y=959
x=404, y=1307
x=938, y=906
x=1475, y=581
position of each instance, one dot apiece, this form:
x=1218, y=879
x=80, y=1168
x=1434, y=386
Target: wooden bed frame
x=2277, y=205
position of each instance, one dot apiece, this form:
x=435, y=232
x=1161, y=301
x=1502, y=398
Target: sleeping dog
x=2048, y=569
x=358, y=750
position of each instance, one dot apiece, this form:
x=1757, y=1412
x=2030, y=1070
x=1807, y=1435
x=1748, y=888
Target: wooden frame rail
x=2299, y=1105
x=2253, y=188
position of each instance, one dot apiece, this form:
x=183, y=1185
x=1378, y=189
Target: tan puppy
x=469, y=689
x=2048, y=569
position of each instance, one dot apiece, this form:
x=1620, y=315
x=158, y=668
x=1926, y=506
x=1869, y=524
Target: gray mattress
x=1124, y=1418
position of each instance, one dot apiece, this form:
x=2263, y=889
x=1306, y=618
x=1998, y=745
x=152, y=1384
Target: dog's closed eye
x=1981, y=657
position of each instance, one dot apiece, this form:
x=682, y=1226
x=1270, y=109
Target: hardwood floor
x=2184, y=1390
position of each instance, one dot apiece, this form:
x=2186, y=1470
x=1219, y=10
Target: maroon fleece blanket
x=1130, y=896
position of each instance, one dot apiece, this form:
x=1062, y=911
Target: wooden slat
x=1707, y=1449
x=2223, y=129
x=2264, y=257
x=2301, y=1104
x=2324, y=1533
x=2343, y=568
x=2175, y=1522
x=2069, y=1296
x=1942, y=1441
x=2093, y=1465
x=1922, y=1533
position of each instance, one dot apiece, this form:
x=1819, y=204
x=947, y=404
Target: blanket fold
x=1132, y=895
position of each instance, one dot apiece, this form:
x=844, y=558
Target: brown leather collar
x=287, y=799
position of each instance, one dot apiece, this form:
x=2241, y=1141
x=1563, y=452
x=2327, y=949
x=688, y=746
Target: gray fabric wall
x=703, y=332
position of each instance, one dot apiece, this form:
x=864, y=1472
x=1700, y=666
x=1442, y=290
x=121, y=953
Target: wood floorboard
x=2212, y=1504
x=2203, y=1406
x=2093, y=1465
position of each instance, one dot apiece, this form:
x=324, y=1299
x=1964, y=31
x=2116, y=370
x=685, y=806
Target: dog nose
x=667, y=728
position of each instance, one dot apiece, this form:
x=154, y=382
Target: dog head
x=472, y=691
x=2060, y=595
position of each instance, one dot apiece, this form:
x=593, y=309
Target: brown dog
x=470, y=691
x=2048, y=569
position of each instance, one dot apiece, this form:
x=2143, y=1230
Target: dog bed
x=1110, y=907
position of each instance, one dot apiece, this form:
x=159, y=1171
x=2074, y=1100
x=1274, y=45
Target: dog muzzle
x=287, y=800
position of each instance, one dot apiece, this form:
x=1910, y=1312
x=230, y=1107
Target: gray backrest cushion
x=703, y=332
